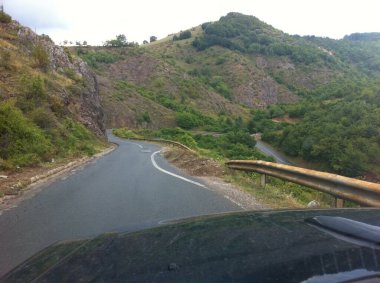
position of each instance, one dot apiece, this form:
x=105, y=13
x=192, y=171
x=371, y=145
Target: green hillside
x=324, y=93
x=49, y=105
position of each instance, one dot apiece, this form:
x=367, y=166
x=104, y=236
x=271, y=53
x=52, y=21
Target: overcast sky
x=97, y=21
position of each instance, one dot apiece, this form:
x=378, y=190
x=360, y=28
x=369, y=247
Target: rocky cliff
x=49, y=101
x=83, y=92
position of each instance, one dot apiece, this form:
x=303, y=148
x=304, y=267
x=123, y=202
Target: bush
x=221, y=87
x=33, y=93
x=183, y=35
x=41, y=57
x=143, y=117
x=93, y=58
x=177, y=134
x=5, y=18
x=187, y=120
x=21, y=142
x=5, y=59
x=43, y=118
x=125, y=133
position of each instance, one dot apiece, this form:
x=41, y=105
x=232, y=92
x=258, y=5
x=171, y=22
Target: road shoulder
x=20, y=185
x=211, y=174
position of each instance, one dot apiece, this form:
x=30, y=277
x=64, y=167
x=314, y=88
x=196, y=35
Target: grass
x=36, y=124
x=277, y=193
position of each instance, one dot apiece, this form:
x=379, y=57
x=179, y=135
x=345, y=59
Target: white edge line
x=187, y=180
x=235, y=202
x=172, y=174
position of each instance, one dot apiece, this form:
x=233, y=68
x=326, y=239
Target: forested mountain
x=315, y=98
x=49, y=100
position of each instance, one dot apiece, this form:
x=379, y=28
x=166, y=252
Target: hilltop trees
x=183, y=35
x=153, y=38
x=120, y=41
x=4, y=17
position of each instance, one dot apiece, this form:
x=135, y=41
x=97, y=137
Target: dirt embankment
x=211, y=173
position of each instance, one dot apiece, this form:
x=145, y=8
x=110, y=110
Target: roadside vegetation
x=337, y=127
x=323, y=107
x=39, y=107
x=235, y=145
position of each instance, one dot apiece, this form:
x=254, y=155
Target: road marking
x=235, y=202
x=139, y=145
x=172, y=174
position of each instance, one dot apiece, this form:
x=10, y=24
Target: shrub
x=177, y=134
x=143, y=117
x=125, y=133
x=21, y=142
x=41, y=57
x=33, y=93
x=43, y=118
x=5, y=18
x=183, y=35
x=93, y=58
x=221, y=87
x=71, y=74
x=187, y=120
x=5, y=59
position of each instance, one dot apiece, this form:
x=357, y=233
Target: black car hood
x=269, y=246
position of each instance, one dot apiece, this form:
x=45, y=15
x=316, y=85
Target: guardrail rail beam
x=343, y=188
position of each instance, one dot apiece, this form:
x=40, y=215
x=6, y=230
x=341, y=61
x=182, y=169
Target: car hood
x=266, y=246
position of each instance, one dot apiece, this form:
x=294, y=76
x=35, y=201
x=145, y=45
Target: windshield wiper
x=348, y=230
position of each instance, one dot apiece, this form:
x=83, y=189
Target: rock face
x=87, y=91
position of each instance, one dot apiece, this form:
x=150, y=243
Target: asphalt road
x=129, y=189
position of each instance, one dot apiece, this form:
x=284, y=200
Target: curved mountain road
x=129, y=189
x=270, y=151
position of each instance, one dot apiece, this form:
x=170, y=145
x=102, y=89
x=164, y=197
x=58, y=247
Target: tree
x=145, y=42
x=153, y=38
x=5, y=18
x=120, y=41
x=182, y=35
x=84, y=43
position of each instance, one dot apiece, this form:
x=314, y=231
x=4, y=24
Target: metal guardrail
x=361, y=192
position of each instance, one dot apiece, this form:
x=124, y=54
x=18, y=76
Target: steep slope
x=49, y=100
x=144, y=88
x=322, y=94
x=219, y=69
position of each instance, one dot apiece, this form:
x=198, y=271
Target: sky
x=97, y=21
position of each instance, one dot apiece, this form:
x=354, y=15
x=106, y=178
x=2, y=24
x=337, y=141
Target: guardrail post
x=263, y=180
x=339, y=203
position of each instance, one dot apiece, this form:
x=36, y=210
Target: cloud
x=39, y=14
x=97, y=21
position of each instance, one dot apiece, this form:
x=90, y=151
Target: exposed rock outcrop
x=61, y=61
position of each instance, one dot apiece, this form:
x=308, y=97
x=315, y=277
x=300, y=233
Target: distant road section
x=270, y=151
x=129, y=189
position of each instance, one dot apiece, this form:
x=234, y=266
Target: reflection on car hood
x=270, y=246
